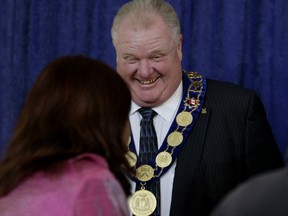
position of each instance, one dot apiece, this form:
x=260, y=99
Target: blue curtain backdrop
x=241, y=41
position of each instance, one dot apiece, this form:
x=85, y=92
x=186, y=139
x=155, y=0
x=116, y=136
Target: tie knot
x=147, y=113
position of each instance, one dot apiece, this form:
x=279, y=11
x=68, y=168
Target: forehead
x=135, y=33
x=144, y=20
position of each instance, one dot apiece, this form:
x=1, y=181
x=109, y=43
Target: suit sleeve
x=262, y=152
x=101, y=198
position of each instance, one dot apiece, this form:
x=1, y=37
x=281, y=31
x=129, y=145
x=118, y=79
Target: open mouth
x=147, y=82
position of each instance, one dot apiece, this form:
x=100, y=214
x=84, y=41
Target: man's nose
x=144, y=68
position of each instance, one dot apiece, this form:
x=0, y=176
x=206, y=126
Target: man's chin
x=147, y=102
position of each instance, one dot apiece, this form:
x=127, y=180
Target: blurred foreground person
x=67, y=154
x=264, y=195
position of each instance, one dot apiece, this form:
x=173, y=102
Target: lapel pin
x=204, y=111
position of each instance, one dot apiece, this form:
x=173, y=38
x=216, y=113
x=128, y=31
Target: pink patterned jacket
x=87, y=188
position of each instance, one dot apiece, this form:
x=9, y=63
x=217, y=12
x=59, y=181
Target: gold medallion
x=184, y=118
x=144, y=173
x=163, y=159
x=131, y=158
x=175, y=138
x=142, y=203
x=129, y=140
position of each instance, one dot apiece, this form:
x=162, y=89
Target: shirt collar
x=167, y=109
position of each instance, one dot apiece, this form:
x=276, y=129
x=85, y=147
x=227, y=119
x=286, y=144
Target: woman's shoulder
x=88, y=165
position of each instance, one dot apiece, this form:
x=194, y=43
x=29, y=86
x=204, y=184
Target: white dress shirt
x=162, y=122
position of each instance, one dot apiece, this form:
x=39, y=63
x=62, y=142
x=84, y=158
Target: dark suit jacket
x=265, y=195
x=230, y=143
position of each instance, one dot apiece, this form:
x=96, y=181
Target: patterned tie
x=148, y=150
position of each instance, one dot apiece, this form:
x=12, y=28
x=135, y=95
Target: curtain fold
x=240, y=41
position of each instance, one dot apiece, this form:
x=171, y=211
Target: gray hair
x=140, y=12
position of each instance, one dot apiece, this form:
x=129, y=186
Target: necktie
x=148, y=150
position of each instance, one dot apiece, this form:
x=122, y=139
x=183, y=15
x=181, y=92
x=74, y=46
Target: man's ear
x=179, y=47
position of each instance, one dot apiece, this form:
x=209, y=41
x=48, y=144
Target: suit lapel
x=187, y=164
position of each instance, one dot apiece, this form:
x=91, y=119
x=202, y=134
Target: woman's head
x=82, y=97
x=76, y=105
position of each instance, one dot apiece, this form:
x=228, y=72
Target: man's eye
x=130, y=59
x=157, y=57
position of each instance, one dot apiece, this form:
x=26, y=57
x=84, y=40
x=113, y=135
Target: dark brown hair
x=76, y=105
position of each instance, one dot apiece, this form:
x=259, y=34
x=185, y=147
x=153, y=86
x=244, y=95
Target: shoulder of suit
x=226, y=87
